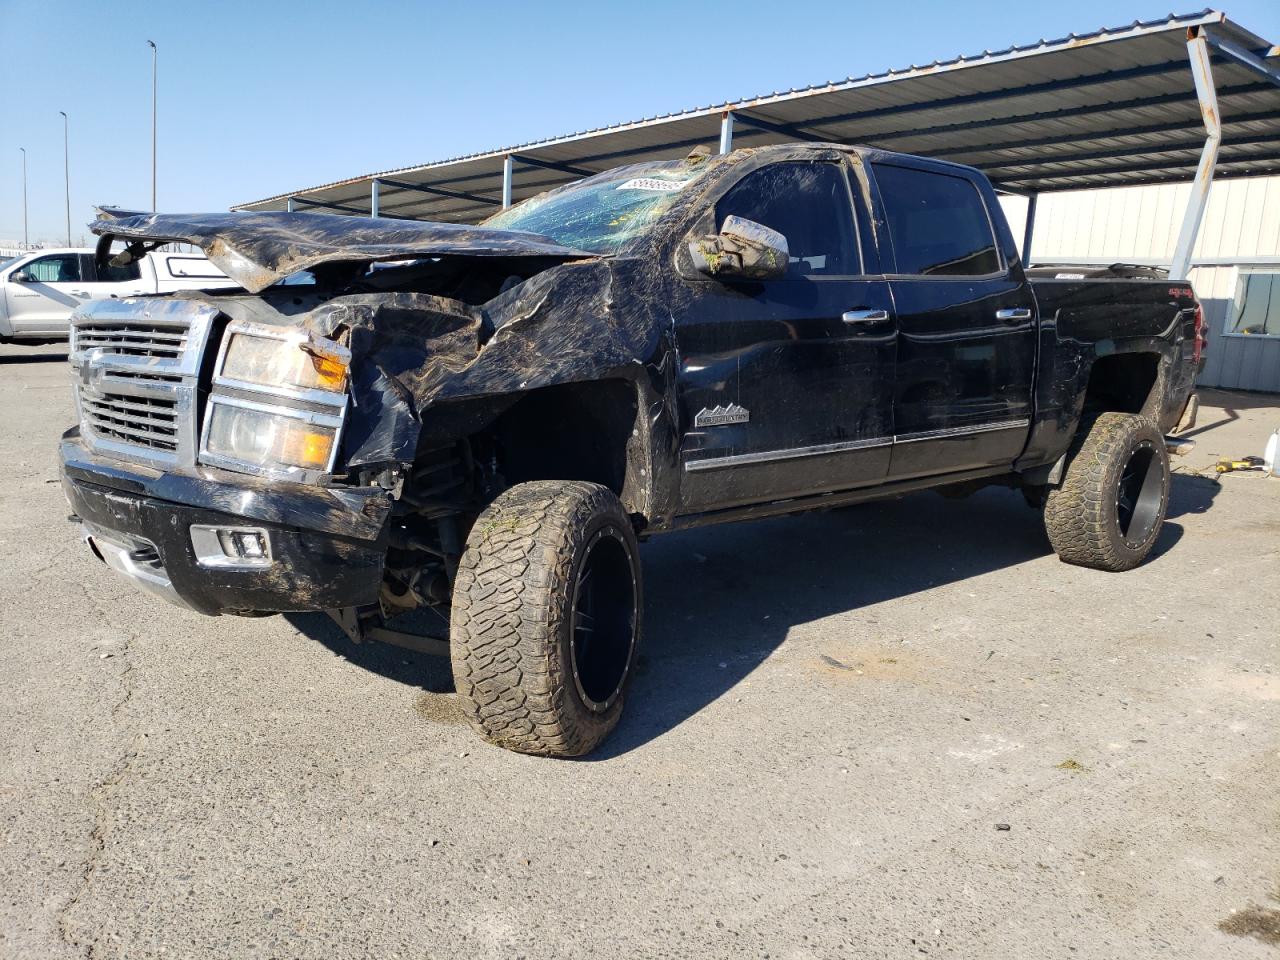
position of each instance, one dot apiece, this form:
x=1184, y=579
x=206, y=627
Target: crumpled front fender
x=412, y=350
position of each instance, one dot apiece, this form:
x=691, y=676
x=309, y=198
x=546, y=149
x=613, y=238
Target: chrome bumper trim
x=121, y=552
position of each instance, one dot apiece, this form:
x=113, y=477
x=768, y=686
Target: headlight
x=291, y=362
x=277, y=404
x=267, y=439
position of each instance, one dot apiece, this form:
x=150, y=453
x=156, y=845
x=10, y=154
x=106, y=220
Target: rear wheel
x=1111, y=505
x=546, y=618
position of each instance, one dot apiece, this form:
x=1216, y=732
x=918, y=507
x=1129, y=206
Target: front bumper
x=327, y=547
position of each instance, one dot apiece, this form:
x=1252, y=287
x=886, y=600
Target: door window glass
x=938, y=223
x=55, y=268
x=1257, y=304
x=193, y=267
x=808, y=203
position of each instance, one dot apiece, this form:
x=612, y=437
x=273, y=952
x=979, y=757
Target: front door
x=50, y=290
x=966, y=325
x=785, y=386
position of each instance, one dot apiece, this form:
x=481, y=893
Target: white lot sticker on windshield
x=652, y=183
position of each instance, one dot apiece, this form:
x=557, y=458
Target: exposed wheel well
x=1123, y=383
x=577, y=431
x=473, y=450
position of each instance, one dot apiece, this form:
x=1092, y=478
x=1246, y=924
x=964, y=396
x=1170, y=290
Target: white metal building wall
x=1241, y=231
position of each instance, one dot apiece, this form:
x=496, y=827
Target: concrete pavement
x=835, y=718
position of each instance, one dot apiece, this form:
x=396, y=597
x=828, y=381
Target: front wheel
x=1111, y=505
x=546, y=618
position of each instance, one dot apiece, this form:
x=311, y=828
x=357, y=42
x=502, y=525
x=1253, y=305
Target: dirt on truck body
x=393, y=416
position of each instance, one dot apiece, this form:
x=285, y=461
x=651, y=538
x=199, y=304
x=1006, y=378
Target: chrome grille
x=133, y=339
x=144, y=421
x=135, y=364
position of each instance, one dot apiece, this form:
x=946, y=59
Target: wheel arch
x=592, y=431
x=1126, y=381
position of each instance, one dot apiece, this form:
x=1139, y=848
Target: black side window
x=808, y=203
x=938, y=223
x=55, y=268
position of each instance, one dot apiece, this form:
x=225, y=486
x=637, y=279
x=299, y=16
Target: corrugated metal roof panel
x=1116, y=106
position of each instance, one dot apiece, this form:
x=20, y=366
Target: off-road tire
x=1083, y=516
x=513, y=623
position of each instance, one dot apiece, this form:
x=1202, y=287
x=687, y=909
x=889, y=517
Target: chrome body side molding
x=769, y=456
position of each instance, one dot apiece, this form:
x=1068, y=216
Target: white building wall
x=1240, y=231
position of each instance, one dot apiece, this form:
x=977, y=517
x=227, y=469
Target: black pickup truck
x=396, y=421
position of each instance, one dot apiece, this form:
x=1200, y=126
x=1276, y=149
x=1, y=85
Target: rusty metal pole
x=726, y=132
x=1202, y=72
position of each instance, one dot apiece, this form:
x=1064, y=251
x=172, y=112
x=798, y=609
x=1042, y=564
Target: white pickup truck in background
x=40, y=290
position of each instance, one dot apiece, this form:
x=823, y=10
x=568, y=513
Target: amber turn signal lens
x=308, y=448
x=331, y=374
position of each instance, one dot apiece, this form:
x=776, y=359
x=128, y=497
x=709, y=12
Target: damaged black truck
x=395, y=421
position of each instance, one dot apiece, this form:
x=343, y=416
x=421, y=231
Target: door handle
x=864, y=316
x=1014, y=313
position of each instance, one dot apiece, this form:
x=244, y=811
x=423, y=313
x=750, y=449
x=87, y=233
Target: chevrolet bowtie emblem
x=86, y=368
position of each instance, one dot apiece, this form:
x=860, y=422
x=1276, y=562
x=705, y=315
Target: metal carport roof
x=1113, y=107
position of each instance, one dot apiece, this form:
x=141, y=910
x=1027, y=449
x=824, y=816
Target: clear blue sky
x=264, y=97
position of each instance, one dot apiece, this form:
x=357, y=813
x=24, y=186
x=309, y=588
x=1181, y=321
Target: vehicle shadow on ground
x=1221, y=407
x=720, y=600
x=432, y=674
x=6, y=358
x=1191, y=493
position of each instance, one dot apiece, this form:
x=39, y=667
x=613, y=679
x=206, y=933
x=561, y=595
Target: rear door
x=966, y=322
x=110, y=282
x=785, y=385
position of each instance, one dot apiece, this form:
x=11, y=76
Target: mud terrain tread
x=508, y=618
x=1079, y=514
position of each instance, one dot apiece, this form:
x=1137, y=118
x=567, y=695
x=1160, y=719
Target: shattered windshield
x=604, y=212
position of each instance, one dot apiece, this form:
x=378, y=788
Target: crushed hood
x=259, y=249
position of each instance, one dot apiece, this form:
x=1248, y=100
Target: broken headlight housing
x=278, y=402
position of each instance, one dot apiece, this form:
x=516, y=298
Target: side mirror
x=20, y=276
x=742, y=250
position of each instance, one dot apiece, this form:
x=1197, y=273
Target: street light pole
x=25, y=241
x=155, y=52
x=66, y=167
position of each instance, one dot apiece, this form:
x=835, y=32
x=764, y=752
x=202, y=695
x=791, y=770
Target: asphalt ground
x=836, y=718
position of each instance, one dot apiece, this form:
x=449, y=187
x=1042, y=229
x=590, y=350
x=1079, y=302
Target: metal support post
x=1202, y=71
x=1029, y=229
x=726, y=132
